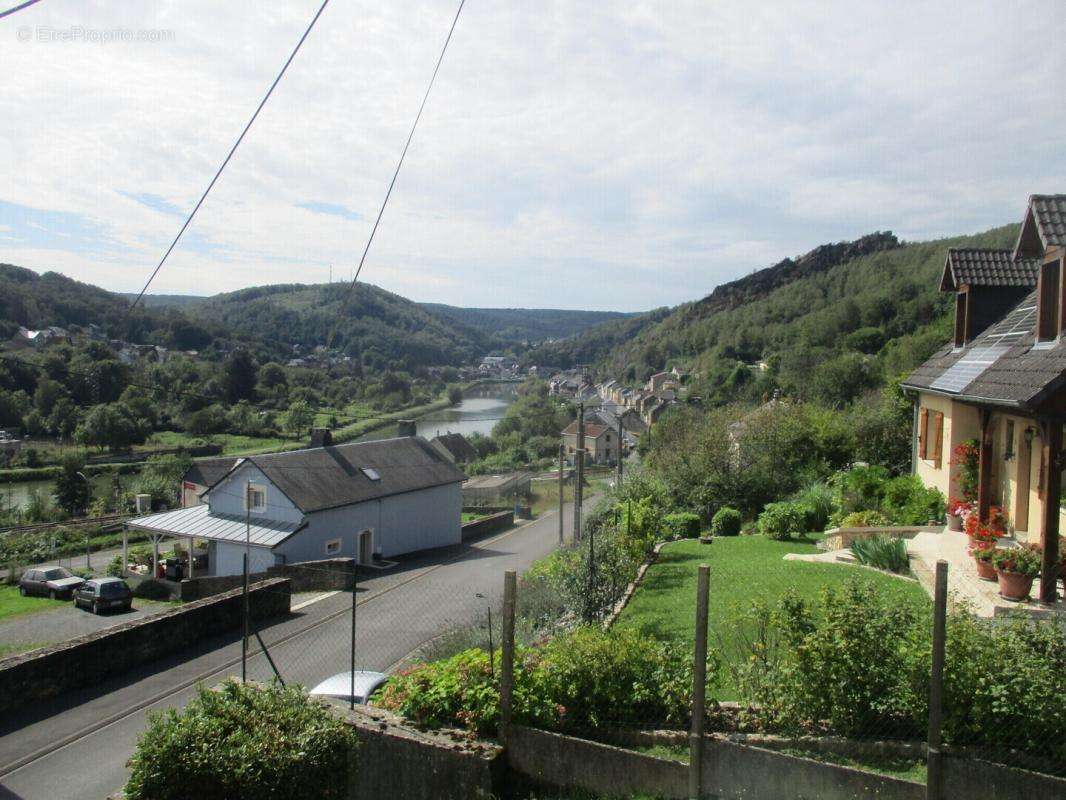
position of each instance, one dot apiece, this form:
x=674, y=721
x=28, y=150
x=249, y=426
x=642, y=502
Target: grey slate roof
x=986, y=267
x=328, y=477
x=1002, y=366
x=208, y=471
x=1049, y=211
x=198, y=521
x=456, y=444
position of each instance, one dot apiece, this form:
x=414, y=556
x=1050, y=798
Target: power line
x=19, y=7
x=396, y=172
x=233, y=149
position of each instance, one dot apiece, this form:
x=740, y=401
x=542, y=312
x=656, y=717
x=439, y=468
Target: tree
x=13, y=407
x=239, y=376
x=110, y=425
x=299, y=417
x=71, y=489
x=272, y=376
x=455, y=395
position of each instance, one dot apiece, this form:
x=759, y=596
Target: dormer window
x=1049, y=302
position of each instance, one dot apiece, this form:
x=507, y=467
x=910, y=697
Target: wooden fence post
x=934, y=758
x=507, y=659
x=699, y=685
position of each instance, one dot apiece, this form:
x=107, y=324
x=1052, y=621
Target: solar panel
x=1017, y=323
x=967, y=369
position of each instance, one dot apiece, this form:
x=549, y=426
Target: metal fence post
x=244, y=638
x=562, y=492
x=699, y=685
x=933, y=755
x=507, y=657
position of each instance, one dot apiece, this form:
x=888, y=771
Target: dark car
x=54, y=582
x=103, y=593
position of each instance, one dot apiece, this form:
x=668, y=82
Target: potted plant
x=982, y=558
x=1016, y=568
x=980, y=535
x=958, y=510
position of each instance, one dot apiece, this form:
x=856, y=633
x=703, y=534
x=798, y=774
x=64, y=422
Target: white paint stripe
x=315, y=599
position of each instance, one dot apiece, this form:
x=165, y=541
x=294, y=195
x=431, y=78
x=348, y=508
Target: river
x=478, y=412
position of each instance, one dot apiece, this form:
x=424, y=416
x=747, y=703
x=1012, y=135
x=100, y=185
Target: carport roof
x=198, y=521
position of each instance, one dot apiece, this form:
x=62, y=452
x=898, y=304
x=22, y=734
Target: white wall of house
x=228, y=496
x=227, y=558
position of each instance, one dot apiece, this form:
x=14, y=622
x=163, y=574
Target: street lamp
x=88, y=496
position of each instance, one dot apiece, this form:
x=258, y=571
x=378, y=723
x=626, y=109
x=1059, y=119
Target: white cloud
x=611, y=155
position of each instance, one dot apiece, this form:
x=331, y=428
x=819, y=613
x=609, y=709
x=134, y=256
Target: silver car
x=54, y=582
x=339, y=687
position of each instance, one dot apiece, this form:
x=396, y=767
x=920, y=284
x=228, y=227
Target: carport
x=229, y=538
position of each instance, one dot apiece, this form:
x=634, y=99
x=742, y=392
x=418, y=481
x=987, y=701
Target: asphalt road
x=77, y=746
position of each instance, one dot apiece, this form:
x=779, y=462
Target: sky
x=612, y=155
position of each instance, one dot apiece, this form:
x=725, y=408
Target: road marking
x=313, y=600
x=117, y=717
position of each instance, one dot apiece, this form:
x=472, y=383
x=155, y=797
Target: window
x=1047, y=302
x=930, y=436
x=255, y=498
x=923, y=429
x=371, y=473
x=333, y=547
x=962, y=321
x=1008, y=449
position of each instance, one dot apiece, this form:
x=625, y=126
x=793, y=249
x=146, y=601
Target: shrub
x=683, y=524
x=884, y=552
x=783, y=520
x=820, y=501
x=244, y=742
x=907, y=501
x=151, y=589
x=860, y=488
x=576, y=681
x=864, y=519
x=726, y=522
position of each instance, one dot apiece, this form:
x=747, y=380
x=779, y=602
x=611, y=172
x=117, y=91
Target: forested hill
x=525, y=324
x=867, y=309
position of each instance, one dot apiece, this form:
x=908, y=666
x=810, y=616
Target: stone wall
x=491, y=524
x=328, y=575
x=841, y=538
x=95, y=657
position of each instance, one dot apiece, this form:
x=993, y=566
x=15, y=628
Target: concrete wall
x=227, y=558
x=973, y=779
x=328, y=575
x=95, y=657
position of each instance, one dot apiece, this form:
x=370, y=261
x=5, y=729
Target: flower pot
x=954, y=522
x=1014, y=585
x=986, y=570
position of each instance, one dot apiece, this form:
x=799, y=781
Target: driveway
x=63, y=621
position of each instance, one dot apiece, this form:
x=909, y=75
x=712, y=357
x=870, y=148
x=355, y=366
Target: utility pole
x=351, y=654
x=579, y=459
x=619, y=452
x=562, y=485
x=247, y=553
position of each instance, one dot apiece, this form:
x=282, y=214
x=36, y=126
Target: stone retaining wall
x=491, y=524
x=841, y=538
x=87, y=660
x=327, y=575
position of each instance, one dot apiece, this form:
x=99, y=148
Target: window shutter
x=938, y=443
x=923, y=422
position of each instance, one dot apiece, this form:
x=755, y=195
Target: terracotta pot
x=954, y=522
x=1013, y=585
x=986, y=570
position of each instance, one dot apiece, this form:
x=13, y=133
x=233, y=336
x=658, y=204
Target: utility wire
x=19, y=7
x=392, y=183
x=233, y=149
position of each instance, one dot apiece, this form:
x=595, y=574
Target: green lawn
x=232, y=444
x=743, y=568
x=13, y=604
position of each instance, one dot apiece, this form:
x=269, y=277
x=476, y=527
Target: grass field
x=743, y=569
x=13, y=604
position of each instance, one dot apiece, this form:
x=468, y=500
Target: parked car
x=54, y=582
x=339, y=687
x=100, y=593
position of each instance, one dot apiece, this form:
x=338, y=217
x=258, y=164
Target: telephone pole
x=619, y=452
x=579, y=463
x=562, y=487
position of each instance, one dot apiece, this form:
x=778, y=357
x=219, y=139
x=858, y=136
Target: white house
x=364, y=499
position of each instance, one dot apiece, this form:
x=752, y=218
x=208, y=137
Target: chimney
x=406, y=427
x=321, y=437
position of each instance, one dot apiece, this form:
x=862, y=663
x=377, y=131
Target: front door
x=366, y=547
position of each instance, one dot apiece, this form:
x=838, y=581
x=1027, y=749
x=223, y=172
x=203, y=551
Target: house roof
x=1049, y=213
x=498, y=481
x=208, y=471
x=198, y=521
x=319, y=478
x=1004, y=365
x=592, y=431
x=457, y=445
x=987, y=267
